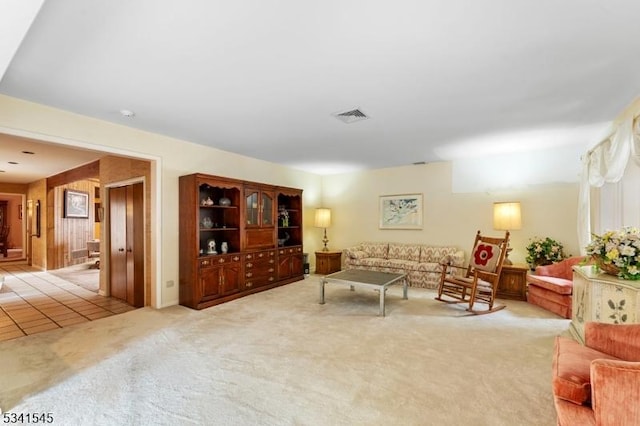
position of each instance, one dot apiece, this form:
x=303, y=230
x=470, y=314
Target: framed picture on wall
x=76, y=204
x=403, y=211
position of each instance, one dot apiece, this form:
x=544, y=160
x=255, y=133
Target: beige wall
x=449, y=218
x=170, y=158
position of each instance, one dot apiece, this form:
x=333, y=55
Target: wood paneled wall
x=70, y=234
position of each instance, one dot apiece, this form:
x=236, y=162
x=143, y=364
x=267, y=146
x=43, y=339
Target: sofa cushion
x=571, y=370
x=373, y=262
x=430, y=254
x=356, y=254
x=485, y=256
x=404, y=252
x=557, y=285
x=373, y=249
x=403, y=265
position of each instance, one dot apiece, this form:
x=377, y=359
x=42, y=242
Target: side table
x=513, y=282
x=328, y=262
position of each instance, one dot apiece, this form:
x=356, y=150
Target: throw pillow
x=485, y=256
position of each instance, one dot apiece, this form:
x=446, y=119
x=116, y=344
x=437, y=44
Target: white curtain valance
x=635, y=146
x=604, y=163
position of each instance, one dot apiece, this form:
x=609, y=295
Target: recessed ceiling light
x=127, y=113
x=12, y=162
x=28, y=152
x=2, y=171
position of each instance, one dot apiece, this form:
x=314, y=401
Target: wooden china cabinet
x=232, y=240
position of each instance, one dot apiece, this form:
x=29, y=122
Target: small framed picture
x=76, y=204
x=403, y=211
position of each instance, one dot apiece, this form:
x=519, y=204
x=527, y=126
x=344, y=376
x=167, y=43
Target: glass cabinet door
x=252, y=210
x=267, y=209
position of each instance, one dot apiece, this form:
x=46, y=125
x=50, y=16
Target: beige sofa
x=420, y=262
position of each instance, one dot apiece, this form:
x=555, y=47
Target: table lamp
x=507, y=217
x=323, y=220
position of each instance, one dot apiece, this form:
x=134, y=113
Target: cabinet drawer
x=289, y=250
x=259, y=255
x=218, y=260
x=255, y=282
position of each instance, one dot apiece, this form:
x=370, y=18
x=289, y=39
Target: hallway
x=33, y=301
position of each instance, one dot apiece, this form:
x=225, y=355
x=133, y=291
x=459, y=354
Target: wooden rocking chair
x=480, y=282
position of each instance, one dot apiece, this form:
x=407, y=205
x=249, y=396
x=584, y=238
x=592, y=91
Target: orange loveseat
x=598, y=383
x=551, y=287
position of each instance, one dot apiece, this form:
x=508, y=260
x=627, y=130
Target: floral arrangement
x=619, y=248
x=543, y=251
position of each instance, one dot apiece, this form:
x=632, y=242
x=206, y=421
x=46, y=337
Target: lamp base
x=507, y=261
x=325, y=240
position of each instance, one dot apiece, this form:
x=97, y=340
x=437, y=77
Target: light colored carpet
x=84, y=275
x=280, y=358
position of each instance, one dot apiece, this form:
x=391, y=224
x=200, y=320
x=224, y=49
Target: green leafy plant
x=619, y=248
x=543, y=251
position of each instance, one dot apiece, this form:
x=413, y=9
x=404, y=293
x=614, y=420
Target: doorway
x=126, y=241
x=12, y=227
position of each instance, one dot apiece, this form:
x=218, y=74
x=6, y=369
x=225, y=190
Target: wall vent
x=351, y=116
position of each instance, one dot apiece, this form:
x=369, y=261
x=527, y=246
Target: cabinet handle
x=248, y=275
x=249, y=265
x=221, y=260
x=271, y=278
x=248, y=284
x=271, y=261
x=271, y=269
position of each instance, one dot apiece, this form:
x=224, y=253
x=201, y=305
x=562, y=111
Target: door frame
x=106, y=203
x=155, y=214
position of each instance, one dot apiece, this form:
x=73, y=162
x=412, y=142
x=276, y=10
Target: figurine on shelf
x=224, y=201
x=224, y=247
x=207, y=223
x=211, y=247
x=283, y=216
x=282, y=241
x=207, y=202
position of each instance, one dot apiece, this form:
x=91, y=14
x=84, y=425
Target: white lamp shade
x=507, y=216
x=323, y=218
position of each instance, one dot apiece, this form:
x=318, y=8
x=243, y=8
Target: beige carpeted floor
x=280, y=358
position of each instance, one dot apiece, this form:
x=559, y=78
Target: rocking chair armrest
x=447, y=265
x=485, y=275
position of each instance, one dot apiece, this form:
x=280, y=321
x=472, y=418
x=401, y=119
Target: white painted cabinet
x=602, y=298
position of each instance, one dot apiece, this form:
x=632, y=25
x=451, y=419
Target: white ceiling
x=440, y=79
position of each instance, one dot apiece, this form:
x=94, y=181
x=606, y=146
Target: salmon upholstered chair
x=598, y=383
x=551, y=286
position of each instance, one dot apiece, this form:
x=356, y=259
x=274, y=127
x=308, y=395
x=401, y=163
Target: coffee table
x=365, y=279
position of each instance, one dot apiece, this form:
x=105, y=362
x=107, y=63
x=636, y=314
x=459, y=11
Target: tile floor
x=33, y=301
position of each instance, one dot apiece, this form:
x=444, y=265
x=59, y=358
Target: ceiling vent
x=352, y=116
